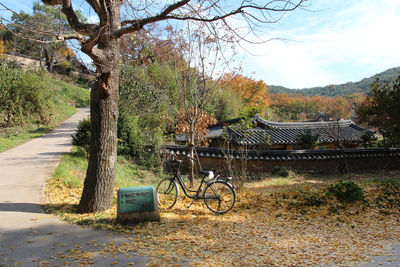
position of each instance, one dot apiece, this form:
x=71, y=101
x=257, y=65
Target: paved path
x=28, y=237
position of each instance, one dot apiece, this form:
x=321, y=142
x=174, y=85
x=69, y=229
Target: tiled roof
x=267, y=132
x=274, y=155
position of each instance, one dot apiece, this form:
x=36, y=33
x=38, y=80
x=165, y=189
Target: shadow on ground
x=61, y=244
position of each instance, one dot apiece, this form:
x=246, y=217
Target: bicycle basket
x=171, y=166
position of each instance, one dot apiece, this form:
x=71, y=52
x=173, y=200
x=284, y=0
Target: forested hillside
x=363, y=86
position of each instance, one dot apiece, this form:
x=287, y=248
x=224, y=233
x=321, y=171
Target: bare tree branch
x=59, y=37
x=220, y=15
x=95, y=4
x=81, y=28
x=139, y=24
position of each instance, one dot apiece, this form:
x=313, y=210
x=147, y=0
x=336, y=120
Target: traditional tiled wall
x=322, y=161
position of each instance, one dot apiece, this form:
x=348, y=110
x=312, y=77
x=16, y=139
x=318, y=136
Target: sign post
x=137, y=204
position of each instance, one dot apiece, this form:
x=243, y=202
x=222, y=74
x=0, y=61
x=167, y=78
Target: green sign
x=134, y=199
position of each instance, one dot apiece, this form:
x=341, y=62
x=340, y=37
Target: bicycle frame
x=218, y=194
x=185, y=189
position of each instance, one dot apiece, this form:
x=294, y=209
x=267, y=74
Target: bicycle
x=218, y=194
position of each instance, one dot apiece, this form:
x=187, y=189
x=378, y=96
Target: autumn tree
x=381, y=110
x=193, y=125
x=101, y=41
x=339, y=108
x=254, y=93
x=2, y=48
x=299, y=107
x=336, y=111
x=194, y=62
x=2, y=45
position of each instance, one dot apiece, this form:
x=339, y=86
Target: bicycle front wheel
x=167, y=193
x=219, y=197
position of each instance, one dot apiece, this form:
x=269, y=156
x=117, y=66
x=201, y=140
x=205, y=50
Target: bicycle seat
x=210, y=174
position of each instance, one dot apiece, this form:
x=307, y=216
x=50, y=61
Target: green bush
x=280, y=171
x=347, y=191
x=12, y=98
x=34, y=97
x=367, y=139
x=140, y=125
x=140, y=137
x=81, y=138
x=307, y=140
x=312, y=199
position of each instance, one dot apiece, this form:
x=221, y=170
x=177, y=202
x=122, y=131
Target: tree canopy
x=381, y=110
x=253, y=92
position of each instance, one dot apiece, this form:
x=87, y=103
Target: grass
x=65, y=97
x=72, y=171
x=14, y=136
x=19, y=136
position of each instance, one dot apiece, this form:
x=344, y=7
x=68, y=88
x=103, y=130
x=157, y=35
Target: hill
x=30, y=98
x=363, y=86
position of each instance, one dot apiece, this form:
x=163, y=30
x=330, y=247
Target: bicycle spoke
x=219, y=197
x=167, y=194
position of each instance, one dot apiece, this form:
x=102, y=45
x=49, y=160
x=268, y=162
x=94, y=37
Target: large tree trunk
x=98, y=188
x=49, y=60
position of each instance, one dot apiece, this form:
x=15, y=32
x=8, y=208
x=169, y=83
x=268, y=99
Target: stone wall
x=319, y=161
x=25, y=62
x=326, y=166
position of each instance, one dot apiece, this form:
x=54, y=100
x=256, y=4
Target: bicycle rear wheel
x=167, y=193
x=219, y=197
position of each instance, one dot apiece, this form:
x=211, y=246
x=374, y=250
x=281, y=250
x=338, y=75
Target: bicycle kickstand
x=188, y=207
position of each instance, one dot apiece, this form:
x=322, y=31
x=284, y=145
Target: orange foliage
x=255, y=93
x=321, y=102
x=194, y=123
x=279, y=99
x=339, y=109
x=2, y=47
x=65, y=51
x=304, y=107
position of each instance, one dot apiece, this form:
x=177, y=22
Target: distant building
x=267, y=135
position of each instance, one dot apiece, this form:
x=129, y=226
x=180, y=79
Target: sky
x=332, y=42
x=329, y=42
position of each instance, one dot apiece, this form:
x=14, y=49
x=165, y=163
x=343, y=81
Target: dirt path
x=28, y=237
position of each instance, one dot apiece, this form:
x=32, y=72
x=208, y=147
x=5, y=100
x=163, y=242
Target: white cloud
x=348, y=44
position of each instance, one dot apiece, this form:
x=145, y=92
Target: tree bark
x=49, y=60
x=98, y=188
x=191, y=166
